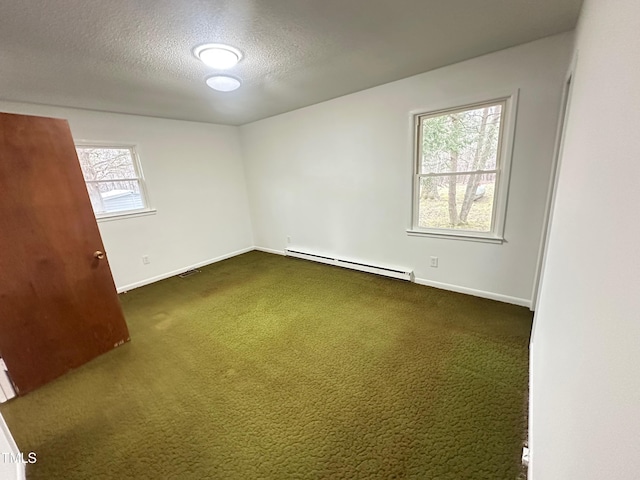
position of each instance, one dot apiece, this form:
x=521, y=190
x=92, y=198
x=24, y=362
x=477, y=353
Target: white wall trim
x=157, y=278
x=503, y=173
x=459, y=101
x=553, y=180
x=130, y=214
x=462, y=235
x=523, y=302
x=270, y=250
x=8, y=440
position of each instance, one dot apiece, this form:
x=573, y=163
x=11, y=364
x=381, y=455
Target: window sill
x=450, y=235
x=122, y=216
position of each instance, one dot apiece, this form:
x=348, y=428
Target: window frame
x=137, y=168
x=502, y=170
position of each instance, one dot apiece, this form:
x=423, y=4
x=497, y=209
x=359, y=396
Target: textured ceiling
x=134, y=56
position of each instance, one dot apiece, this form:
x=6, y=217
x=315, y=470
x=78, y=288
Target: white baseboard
x=523, y=302
x=157, y=278
x=269, y=250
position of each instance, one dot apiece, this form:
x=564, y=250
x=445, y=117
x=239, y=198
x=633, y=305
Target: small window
x=461, y=172
x=114, y=179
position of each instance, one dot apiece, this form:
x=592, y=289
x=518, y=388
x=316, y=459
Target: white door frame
x=553, y=182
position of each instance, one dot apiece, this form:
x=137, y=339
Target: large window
x=461, y=170
x=114, y=180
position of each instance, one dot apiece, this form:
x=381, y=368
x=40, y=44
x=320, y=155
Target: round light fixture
x=223, y=83
x=218, y=56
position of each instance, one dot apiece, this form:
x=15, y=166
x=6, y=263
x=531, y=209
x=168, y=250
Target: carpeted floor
x=266, y=367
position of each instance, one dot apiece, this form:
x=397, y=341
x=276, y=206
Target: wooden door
x=58, y=303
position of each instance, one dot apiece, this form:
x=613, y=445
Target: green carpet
x=267, y=367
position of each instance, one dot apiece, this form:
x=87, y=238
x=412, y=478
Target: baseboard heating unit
x=393, y=272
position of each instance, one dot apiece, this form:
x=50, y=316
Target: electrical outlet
x=434, y=262
x=145, y=259
x=288, y=240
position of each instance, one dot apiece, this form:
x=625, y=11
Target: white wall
x=337, y=177
x=585, y=379
x=195, y=179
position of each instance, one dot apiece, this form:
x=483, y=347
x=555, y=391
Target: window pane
x=111, y=178
x=117, y=196
x=100, y=163
x=460, y=141
x=462, y=202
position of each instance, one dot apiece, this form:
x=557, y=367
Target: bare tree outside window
x=458, y=165
x=112, y=179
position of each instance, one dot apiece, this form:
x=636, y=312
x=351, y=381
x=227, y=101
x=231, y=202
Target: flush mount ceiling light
x=217, y=55
x=223, y=83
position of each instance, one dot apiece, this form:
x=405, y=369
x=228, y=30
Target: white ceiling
x=134, y=56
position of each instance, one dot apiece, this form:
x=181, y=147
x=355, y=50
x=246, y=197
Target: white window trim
x=128, y=214
x=137, y=166
x=508, y=124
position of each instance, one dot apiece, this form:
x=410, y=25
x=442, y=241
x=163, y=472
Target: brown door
x=58, y=304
